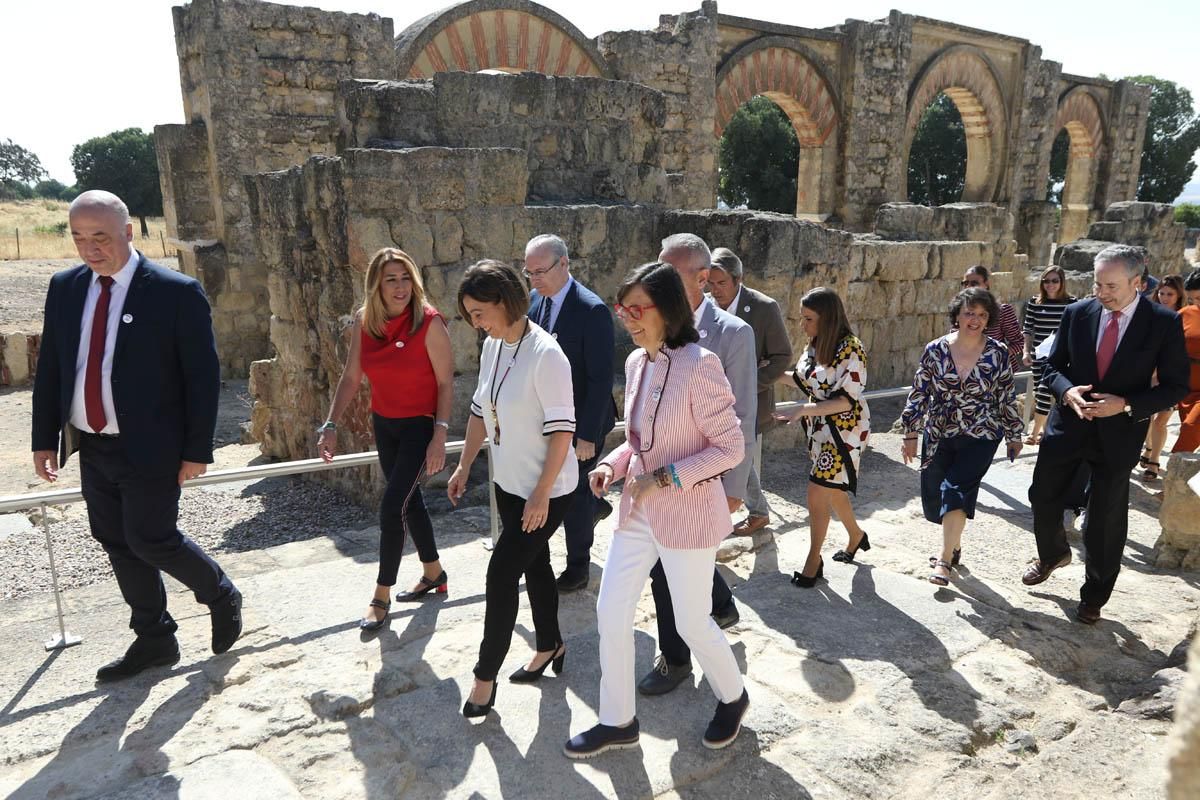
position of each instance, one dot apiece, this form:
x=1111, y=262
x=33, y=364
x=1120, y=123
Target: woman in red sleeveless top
x=401, y=344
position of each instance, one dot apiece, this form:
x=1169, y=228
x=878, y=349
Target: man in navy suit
x=1100, y=369
x=128, y=375
x=583, y=327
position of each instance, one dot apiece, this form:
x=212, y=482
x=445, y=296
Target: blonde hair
x=374, y=311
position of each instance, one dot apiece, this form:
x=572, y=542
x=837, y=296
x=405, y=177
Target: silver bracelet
x=328, y=426
x=443, y=423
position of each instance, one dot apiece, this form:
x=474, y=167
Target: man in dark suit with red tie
x=128, y=375
x=1100, y=369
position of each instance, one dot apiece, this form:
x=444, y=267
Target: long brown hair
x=374, y=310
x=1062, y=278
x=832, y=325
x=1174, y=282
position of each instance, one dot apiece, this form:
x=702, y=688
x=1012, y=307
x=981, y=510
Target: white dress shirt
x=733, y=304
x=558, y=298
x=116, y=304
x=1122, y=323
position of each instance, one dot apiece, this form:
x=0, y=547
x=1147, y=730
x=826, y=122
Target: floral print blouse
x=982, y=406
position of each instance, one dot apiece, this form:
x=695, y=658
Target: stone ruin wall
x=449, y=206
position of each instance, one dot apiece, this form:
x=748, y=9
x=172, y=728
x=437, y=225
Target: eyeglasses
x=972, y=284
x=537, y=273
x=631, y=312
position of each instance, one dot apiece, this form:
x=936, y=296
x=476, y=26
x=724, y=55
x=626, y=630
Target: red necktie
x=1108, y=344
x=93, y=401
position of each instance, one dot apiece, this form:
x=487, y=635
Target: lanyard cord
x=495, y=392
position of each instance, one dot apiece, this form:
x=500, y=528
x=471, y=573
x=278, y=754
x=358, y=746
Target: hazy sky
x=74, y=69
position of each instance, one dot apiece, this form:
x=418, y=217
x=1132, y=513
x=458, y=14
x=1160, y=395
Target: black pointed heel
x=440, y=584
x=805, y=582
x=474, y=710
x=557, y=661
x=847, y=557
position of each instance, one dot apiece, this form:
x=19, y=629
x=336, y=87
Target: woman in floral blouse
x=832, y=374
x=962, y=418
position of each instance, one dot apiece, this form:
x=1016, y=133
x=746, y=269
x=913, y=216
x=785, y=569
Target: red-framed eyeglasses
x=632, y=312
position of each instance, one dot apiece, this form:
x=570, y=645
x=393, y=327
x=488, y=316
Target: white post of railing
x=63, y=639
x=493, y=514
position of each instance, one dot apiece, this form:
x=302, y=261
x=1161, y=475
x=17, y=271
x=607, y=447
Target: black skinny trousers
x=519, y=553
x=402, y=514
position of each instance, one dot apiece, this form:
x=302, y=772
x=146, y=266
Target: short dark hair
x=980, y=270
x=974, y=296
x=491, y=281
x=660, y=280
x=1192, y=282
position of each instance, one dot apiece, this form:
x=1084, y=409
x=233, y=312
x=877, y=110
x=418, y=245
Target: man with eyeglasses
x=583, y=327
x=733, y=342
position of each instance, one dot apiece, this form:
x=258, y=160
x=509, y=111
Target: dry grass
x=36, y=221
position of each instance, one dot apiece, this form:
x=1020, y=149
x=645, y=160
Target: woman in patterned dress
x=832, y=375
x=963, y=402
x=1042, y=315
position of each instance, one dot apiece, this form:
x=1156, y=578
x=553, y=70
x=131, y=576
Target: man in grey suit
x=733, y=341
x=773, y=352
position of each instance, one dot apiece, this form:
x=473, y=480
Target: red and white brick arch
x=1080, y=114
x=794, y=79
x=967, y=77
x=504, y=35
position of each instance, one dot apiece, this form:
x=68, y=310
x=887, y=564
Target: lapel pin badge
x=399, y=344
x=703, y=334
x=746, y=309
x=127, y=318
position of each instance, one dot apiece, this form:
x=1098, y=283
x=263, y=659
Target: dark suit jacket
x=1153, y=341
x=772, y=347
x=584, y=331
x=165, y=374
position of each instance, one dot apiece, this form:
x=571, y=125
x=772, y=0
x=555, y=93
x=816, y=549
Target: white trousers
x=689, y=574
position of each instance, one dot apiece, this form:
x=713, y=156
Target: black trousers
x=670, y=642
x=1056, y=478
x=401, y=444
x=133, y=515
x=518, y=553
x=580, y=520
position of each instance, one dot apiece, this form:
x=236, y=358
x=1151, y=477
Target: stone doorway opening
x=938, y=156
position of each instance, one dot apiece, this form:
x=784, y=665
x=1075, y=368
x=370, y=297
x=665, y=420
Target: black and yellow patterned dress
x=836, y=441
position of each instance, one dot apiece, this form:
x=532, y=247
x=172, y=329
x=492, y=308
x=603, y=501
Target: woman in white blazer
x=682, y=434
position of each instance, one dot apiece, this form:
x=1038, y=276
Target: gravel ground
x=23, y=290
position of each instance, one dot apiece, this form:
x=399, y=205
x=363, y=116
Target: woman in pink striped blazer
x=681, y=435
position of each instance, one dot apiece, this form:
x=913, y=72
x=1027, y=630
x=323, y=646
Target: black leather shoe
x=601, y=739
x=144, y=653
x=558, y=659
x=471, y=710
x=726, y=723
x=727, y=617
x=847, y=556
x=572, y=580
x=1087, y=614
x=604, y=510
x=226, y=614
x=664, y=677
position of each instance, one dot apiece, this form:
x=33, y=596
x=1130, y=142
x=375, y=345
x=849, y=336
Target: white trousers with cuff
x=689, y=574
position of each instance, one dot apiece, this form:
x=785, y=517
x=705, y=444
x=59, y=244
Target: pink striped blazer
x=687, y=420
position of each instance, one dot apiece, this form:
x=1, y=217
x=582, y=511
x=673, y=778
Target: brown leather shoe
x=750, y=524
x=1088, y=615
x=1037, y=572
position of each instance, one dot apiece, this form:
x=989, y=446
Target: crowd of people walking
x=708, y=352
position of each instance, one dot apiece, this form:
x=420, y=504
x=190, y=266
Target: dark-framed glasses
x=631, y=312
x=537, y=273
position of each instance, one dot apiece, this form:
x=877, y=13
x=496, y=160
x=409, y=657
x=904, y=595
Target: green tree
x=937, y=159
x=54, y=190
x=1060, y=152
x=759, y=157
x=18, y=168
x=1188, y=214
x=124, y=163
x=1172, y=138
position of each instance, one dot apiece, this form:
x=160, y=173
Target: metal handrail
x=58, y=497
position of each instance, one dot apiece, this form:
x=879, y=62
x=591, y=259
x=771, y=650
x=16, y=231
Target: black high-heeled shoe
x=805, y=582
x=475, y=710
x=847, y=557
x=370, y=625
x=558, y=661
x=440, y=584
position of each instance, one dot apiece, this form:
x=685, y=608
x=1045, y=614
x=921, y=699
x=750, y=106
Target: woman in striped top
x=1042, y=315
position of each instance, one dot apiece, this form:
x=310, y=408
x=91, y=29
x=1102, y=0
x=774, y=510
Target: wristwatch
x=328, y=426
x=1128, y=409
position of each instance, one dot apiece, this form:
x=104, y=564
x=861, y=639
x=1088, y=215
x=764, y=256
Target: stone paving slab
x=874, y=684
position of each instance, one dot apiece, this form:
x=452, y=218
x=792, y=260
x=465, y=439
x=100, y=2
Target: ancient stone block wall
x=585, y=138
x=258, y=89
x=18, y=357
x=1151, y=226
